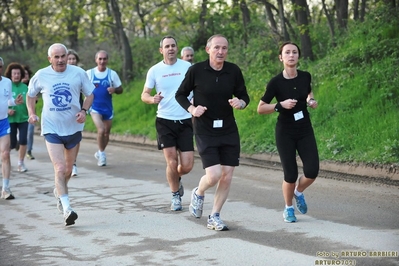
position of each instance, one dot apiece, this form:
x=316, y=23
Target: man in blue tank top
x=106, y=82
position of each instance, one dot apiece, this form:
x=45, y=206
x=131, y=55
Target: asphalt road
x=124, y=217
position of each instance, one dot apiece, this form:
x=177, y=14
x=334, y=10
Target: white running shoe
x=176, y=203
x=215, y=223
x=197, y=204
x=22, y=168
x=102, y=159
x=70, y=217
x=7, y=194
x=74, y=170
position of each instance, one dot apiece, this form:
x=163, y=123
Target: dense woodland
x=350, y=48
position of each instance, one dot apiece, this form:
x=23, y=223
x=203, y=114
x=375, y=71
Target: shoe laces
x=216, y=220
x=200, y=202
x=176, y=200
x=301, y=199
x=290, y=211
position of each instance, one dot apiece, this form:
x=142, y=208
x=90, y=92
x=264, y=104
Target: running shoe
x=30, y=156
x=74, y=170
x=301, y=204
x=101, y=159
x=22, y=168
x=70, y=217
x=181, y=188
x=197, y=204
x=289, y=215
x=59, y=203
x=7, y=194
x=215, y=223
x=176, y=203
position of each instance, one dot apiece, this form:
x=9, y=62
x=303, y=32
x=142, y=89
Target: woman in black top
x=294, y=131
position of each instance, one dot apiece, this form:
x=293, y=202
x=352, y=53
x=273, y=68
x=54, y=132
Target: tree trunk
x=284, y=31
x=330, y=21
x=342, y=13
x=246, y=19
x=127, y=66
x=356, y=10
x=362, y=10
x=303, y=25
x=201, y=37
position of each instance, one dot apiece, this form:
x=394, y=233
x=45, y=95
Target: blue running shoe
x=196, y=205
x=176, y=203
x=301, y=204
x=289, y=216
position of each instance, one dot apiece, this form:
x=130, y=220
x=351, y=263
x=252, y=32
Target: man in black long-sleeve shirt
x=214, y=82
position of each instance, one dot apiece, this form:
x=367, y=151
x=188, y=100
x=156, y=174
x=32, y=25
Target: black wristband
x=278, y=107
x=83, y=110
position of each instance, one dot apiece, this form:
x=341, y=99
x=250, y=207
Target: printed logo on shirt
x=103, y=83
x=171, y=75
x=61, y=99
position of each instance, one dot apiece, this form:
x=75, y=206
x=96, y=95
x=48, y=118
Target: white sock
x=287, y=207
x=6, y=183
x=65, y=202
x=297, y=193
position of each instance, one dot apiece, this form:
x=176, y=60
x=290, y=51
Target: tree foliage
x=123, y=27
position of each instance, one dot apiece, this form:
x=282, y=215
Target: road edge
x=387, y=174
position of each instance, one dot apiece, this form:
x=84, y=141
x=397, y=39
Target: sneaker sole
x=301, y=211
x=71, y=219
x=212, y=227
x=10, y=197
x=176, y=209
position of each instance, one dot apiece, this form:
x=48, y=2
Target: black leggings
x=289, y=140
x=20, y=129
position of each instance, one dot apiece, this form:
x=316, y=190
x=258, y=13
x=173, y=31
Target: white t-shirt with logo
x=60, y=92
x=167, y=79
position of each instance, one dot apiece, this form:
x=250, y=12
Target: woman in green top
x=18, y=115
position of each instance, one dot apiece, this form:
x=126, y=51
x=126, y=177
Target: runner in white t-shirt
x=62, y=117
x=173, y=123
x=6, y=100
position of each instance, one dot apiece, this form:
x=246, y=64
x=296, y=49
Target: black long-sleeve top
x=213, y=89
x=297, y=88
